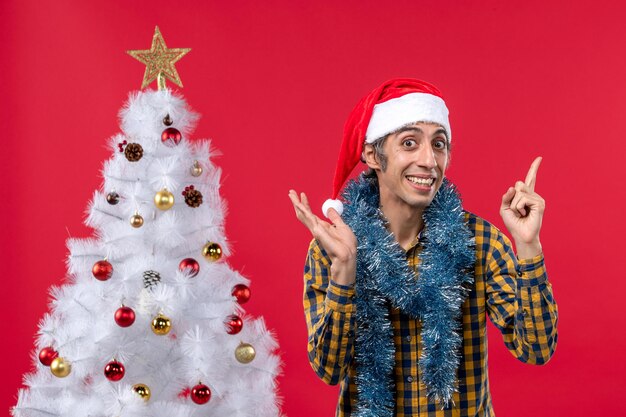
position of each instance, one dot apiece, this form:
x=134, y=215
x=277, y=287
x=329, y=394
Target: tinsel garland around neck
x=434, y=295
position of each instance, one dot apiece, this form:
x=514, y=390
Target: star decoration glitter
x=159, y=61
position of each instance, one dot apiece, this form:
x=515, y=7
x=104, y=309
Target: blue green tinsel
x=434, y=295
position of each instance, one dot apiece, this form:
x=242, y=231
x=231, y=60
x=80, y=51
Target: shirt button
x=409, y=378
x=408, y=338
x=350, y=333
x=524, y=312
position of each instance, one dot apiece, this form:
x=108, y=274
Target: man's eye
x=440, y=144
x=408, y=143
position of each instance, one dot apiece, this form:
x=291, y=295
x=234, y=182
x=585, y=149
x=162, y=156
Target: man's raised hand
x=336, y=238
x=522, y=212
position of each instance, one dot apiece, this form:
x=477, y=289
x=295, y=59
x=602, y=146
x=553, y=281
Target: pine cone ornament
x=133, y=152
x=193, y=197
x=150, y=279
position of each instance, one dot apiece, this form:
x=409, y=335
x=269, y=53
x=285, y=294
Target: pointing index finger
x=531, y=177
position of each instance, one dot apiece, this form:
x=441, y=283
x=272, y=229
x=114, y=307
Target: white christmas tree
x=150, y=321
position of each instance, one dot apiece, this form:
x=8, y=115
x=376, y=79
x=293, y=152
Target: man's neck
x=404, y=222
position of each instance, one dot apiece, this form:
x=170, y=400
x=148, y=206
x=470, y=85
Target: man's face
x=417, y=157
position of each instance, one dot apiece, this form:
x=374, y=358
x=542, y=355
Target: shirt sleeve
x=520, y=302
x=328, y=309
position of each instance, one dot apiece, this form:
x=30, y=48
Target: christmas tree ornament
x=159, y=61
x=245, y=353
x=241, y=292
x=114, y=371
x=212, y=252
x=151, y=278
x=142, y=390
x=133, y=152
x=161, y=325
x=164, y=200
x=113, y=198
x=124, y=316
x=47, y=355
x=121, y=146
x=171, y=137
x=189, y=266
x=200, y=394
x=184, y=393
x=193, y=197
x=102, y=270
x=167, y=120
x=196, y=169
x=233, y=324
x=136, y=220
x=60, y=367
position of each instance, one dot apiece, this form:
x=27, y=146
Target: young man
x=399, y=283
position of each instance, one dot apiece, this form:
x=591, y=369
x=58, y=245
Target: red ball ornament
x=171, y=137
x=47, y=355
x=233, y=324
x=102, y=270
x=200, y=394
x=242, y=293
x=124, y=316
x=190, y=266
x=114, y=371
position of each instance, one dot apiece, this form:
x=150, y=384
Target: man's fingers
x=508, y=197
x=531, y=177
x=513, y=204
x=305, y=201
x=303, y=213
x=521, y=204
x=335, y=218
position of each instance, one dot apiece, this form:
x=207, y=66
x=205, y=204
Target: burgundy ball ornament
x=189, y=266
x=124, y=316
x=241, y=292
x=113, y=198
x=114, y=371
x=47, y=355
x=171, y=137
x=200, y=394
x=102, y=270
x=233, y=324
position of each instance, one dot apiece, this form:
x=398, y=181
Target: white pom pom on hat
x=394, y=104
x=334, y=204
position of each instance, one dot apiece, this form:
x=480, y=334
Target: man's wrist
x=528, y=250
x=343, y=274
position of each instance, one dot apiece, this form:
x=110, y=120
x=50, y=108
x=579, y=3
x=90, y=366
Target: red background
x=274, y=81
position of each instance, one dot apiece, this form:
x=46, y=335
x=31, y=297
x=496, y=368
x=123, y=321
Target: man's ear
x=369, y=156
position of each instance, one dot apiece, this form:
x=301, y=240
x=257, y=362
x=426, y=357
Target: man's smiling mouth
x=421, y=181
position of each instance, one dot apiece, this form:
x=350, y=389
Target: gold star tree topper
x=159, y=61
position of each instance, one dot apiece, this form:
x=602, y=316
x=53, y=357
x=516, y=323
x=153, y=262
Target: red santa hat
x=394, y=104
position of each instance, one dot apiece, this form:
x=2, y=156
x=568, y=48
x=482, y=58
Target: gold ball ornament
x=161, y=325
x=142, y=390
x=60, y=367
x=164, y=200
x=136, y=221
x=245, y=353
x=196, y=169
x=212, y=252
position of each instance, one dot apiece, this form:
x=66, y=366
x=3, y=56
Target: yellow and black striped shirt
x=515, y=294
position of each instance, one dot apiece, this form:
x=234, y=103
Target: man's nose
x=425, y=157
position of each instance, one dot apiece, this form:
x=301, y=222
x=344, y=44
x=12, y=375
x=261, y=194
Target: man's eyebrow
x=419, y=130
x=443, y=131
